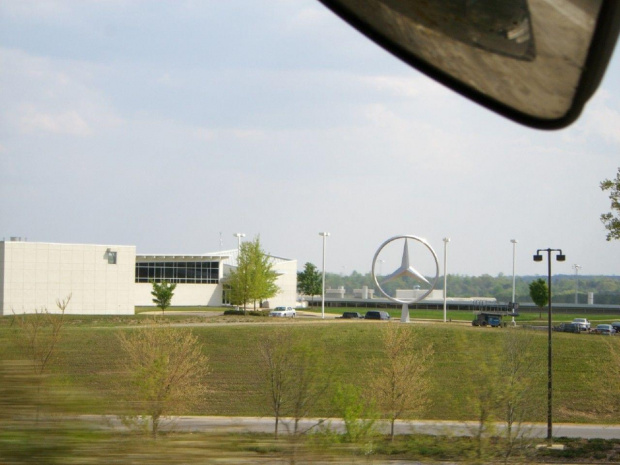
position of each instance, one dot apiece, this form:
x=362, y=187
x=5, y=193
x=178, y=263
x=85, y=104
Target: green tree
x=165, y=368
x=357, y=412
x=611, y=220
x=254, y=278
x=163, y=293
x=400, y=383
x=309, y=281
x=539, y=292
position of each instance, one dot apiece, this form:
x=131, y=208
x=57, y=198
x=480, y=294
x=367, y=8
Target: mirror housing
x=536, y=62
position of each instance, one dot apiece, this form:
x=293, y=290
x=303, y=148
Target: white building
x=112, y=279
x=34, y=275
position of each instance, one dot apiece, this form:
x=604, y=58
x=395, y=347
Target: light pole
x=577, y=268
x=560, y=258
x=514, y=258
x=324, y=234
x=445, y=275
x=239, y=236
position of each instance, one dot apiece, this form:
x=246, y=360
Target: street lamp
x=560, y=258
x=514, y=257
x=577, y=268
x=324, y=234
x=445, y=275
x=239, y=236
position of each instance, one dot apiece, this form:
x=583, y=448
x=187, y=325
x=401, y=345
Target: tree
x=539, y=292
x=38, y=335
x=165, y=368
x=294, y=375
x=254, y=278
x=163, y=293
x=400, y=384
x=310, y=379
x=519, y=368
x=483, y=400
x=309, y=281
x=506, y=387
x=358, y=414
x=611, y=220
x=276, y=365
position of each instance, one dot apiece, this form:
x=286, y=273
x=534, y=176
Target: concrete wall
x=436, y=294
x=34, y=275
x=184, y=295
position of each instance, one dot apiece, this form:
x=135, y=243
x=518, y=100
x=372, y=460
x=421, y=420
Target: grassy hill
x=89, y=357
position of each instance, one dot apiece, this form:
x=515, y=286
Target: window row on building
x=178, y=272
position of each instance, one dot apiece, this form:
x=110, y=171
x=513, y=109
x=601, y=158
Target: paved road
x=456, y=428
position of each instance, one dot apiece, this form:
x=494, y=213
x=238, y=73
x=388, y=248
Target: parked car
x=377, y=315
x=567, y=328
x=351, y=315
x=606, y=330
x=616, y=326
x=583, y=323
x=283, y=312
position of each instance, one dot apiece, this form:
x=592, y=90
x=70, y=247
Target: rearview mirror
x=534, y=61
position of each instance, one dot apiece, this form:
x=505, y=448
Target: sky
x=172, y=125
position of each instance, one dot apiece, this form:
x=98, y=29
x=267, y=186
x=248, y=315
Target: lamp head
x=560, y=257
x=538, y=258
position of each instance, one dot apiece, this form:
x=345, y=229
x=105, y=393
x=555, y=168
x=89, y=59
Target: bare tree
x=276, y=357
x=294, y=373
x=40, y=332
x=401, y=382
x=311, y=378
x=518, y=374
x=505, y=383
x=609, y=383
x=483, y=400
x=166, y=370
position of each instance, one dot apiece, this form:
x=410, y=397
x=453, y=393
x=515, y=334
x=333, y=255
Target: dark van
x=351, y=315
x=377, y=315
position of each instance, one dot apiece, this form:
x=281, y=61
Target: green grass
x=193, y=308
x=89, y=358
x=530, y=317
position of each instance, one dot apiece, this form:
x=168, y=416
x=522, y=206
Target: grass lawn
x=530, y=317
x=89, y=358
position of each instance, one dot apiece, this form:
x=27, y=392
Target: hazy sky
x=170, y=124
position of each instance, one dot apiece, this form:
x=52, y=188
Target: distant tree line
x=606, y=289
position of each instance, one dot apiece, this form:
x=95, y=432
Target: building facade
x=112, y=279
x=34, y=275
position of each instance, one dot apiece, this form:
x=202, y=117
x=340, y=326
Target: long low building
x=113, y=280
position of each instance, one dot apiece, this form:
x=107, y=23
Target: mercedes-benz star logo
x=406, y=269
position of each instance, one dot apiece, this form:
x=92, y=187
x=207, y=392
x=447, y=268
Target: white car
x=283, y=312
x=584, y=324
